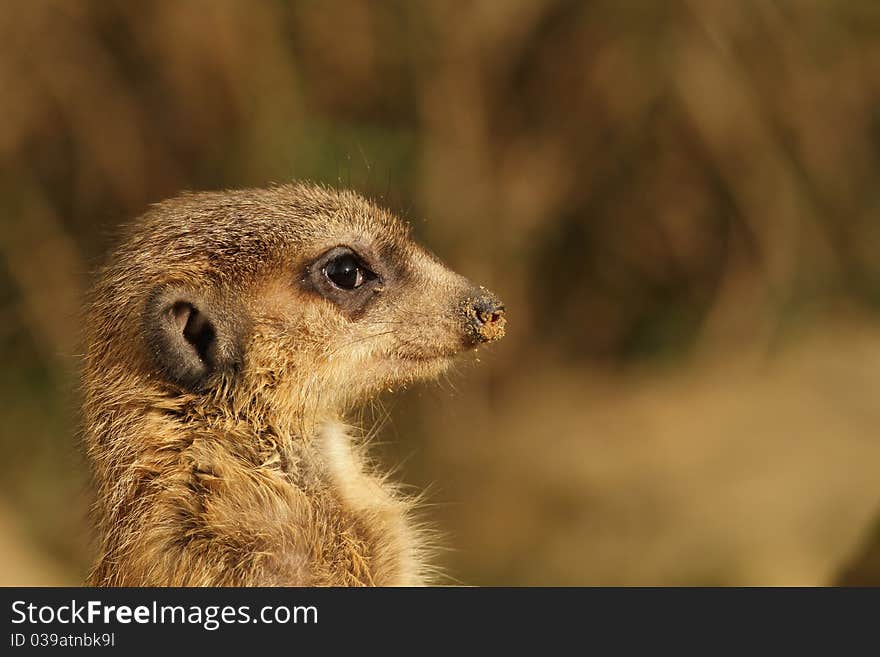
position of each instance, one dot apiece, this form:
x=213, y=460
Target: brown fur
x=252, y=478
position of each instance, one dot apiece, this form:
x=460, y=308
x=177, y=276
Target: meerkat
x=227, y=338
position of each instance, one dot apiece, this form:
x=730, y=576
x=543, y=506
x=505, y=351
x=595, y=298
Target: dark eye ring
x=346, y=272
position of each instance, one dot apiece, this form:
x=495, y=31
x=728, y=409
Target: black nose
x=485, y=314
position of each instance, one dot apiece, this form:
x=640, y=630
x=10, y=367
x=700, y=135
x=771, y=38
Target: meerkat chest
x=394, y=547
x=329, y=519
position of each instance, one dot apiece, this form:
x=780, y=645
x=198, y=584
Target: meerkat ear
x=191, y=339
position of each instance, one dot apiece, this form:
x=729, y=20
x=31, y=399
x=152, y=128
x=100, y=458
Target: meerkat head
x=294, y=295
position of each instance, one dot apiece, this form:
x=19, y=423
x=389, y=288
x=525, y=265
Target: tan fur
x=254, y=480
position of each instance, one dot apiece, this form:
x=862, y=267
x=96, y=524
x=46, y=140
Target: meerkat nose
x=486, y=316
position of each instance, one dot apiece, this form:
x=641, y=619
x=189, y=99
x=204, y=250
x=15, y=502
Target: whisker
x=356, y=341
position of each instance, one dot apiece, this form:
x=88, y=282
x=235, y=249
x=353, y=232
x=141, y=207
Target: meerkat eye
x=347, y=272
x=342, y=276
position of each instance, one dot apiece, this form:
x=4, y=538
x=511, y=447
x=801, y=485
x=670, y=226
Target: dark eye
x=346, y=271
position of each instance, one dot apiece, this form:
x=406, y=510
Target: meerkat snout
x=485, y=315
x=227, y=338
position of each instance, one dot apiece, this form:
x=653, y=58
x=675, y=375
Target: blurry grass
x=747, y=469
x=376, y=159
x=43, y=475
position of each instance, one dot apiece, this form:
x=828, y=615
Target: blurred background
x=678, y=201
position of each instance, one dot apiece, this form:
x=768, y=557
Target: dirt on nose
x=487, y=320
